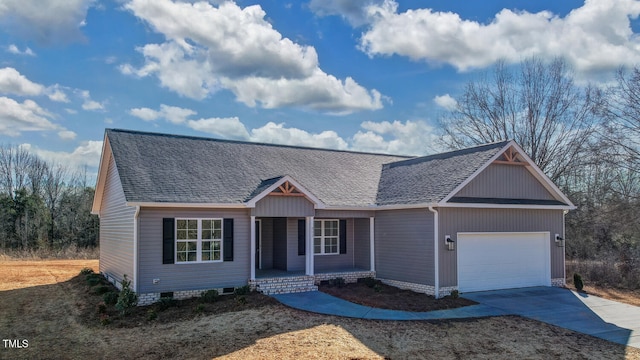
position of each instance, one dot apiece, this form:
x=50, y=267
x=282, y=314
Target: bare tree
x=53, y=188
x=538, y=105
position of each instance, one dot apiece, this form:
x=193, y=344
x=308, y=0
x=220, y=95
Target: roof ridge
x=446, y=155
x=203, y=138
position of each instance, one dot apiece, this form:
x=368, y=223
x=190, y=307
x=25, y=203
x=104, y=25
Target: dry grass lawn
x=41, y=302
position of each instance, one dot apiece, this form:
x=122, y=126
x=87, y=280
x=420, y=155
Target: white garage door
x=491, y=261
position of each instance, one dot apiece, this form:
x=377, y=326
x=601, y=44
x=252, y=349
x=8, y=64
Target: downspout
x=436, y=255
x=564, y=248
x=135, y=249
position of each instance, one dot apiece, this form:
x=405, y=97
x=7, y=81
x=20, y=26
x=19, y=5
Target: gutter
x=436, y=254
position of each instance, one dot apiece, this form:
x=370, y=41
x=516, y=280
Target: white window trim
x=322, y=237
x=199, y=241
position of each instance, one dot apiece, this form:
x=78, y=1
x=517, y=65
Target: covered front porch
x=295, y=239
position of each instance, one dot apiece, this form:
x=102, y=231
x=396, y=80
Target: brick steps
x=285, y=285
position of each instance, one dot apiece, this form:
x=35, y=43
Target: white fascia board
x=506, y=206
x=404, y=206
x=317, y=202
x=105, y=156
x=185, y=205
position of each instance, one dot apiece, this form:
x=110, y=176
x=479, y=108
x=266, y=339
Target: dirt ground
x=46, y=304
x=388, y=297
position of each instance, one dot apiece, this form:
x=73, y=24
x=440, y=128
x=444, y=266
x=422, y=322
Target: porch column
x=372, y=252
x=252, y=249
x=309, y=246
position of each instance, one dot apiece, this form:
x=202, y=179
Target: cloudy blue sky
x=366, y=75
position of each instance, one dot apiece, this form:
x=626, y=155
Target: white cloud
x=88, y=103
x=12, y=82
x=55, y=93
x=51, y=21
x=209, y=48
x=13, y=49
x=597, y=36
x=405, y=138
x=173, y=114
x=445, y=101
x=67, y=135
x=354, y=11
x=278, y=134
x=17, y=117
x=230, y=128
x=87, y=154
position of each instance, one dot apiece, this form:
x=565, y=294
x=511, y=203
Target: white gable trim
x=318, y=204
x=105, y=157
x=532, y=167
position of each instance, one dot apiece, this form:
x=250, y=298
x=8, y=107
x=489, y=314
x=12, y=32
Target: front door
x=258, y=244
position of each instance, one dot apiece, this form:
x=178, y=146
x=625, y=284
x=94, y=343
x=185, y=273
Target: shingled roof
x=161, y=168
x=429, y=179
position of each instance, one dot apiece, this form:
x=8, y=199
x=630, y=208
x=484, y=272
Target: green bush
x=377, y=288
x=102, y=289
x=338, y=282
x=455, y=294
x=110, y=298
x=105, y=319
x=241, y=299
x=370, y=281
x=242, y=290
x=199, y=308
x=127, y=298
x=166, y=302
x=86, y=271
x=210, y=296
x=151, y=315
x=93, y=279
x=577, y=281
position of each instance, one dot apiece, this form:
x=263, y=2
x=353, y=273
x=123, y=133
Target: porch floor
x=276, y=273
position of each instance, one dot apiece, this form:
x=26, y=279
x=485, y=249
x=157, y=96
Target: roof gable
x=284, y=186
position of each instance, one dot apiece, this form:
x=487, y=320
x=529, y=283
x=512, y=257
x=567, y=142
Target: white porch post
x=252, y=249
x=309, y=246
x=372, y=251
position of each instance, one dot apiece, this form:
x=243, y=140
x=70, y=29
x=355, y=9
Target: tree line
x=586, y=138
x=42, y=204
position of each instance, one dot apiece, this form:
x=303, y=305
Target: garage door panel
x=488, y=261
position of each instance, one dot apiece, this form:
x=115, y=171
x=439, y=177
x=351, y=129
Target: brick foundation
x=421, y=288
x=348, y=276
x=559, y=282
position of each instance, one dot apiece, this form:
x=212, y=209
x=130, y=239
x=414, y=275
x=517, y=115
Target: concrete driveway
x=606, y=319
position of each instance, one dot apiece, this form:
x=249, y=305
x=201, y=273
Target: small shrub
x=377, y=288
x=199, y=308
x=102, y=289
x=105, y=319
x=127, y=297
x=151, y=315
x=166, y=302
x=86, y=271
x=210, y=296
x=110, y=298
x=338, y=282
x=93, y=279
x=577, y=281
x=101, y=308
x=242, y=290
x=241, y=299
x=455, y=294
x=370, y=281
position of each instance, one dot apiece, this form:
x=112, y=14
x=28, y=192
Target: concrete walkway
x=606, y=319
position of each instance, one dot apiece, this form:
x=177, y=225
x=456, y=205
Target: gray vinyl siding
x=404, y=245
x=455, y=220
x=283, y=206
x=325, y=263
x=176, y=277
x=267, y=243
x=506, y=182
x=361, y=246
x=343, y=214
x=116, y=228
x=295, y=262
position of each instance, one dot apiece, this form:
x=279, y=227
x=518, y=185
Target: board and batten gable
x=404, y=246
x=188, y=276
x=456, y=220
x=116, y=228
x=505, y=182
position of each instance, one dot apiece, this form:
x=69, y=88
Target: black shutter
x=227, y=239
x=301, y=237
x=343, y=236
x=168, y=240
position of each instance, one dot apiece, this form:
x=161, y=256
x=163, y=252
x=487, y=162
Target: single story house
x=180, y=215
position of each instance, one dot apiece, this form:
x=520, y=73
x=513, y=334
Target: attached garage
x=502, y=260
